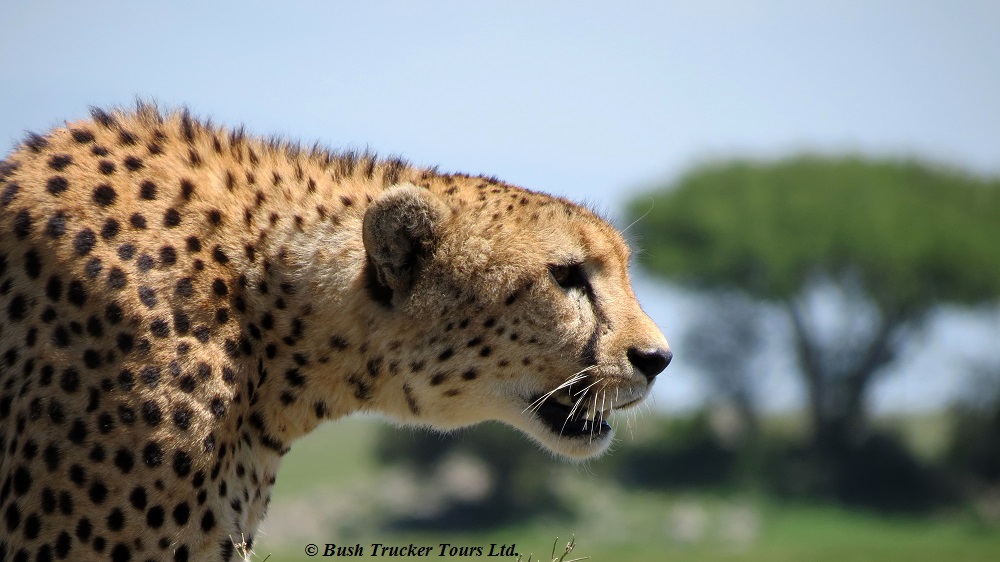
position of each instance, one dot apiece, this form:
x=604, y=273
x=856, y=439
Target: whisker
x=579, y=375
x=652, y=203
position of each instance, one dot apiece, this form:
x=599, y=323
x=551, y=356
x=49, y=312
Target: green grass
x=333, y=472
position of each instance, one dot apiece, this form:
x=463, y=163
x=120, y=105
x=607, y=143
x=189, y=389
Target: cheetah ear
x=401, y=227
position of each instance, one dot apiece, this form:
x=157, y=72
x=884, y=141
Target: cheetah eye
x=568, y=276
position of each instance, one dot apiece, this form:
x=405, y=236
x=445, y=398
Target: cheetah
x=180, y=302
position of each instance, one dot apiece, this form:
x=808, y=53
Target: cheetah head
x=517, y=307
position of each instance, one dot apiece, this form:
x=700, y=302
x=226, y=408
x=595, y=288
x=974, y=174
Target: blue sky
x=582, y=99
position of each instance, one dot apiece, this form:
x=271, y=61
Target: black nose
x=650, y=361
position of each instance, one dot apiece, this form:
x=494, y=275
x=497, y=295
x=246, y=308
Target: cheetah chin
x=574, y=422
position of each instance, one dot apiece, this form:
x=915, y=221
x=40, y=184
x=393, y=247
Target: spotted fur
x=179, y=303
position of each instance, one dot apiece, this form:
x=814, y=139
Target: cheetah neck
x=314, y=365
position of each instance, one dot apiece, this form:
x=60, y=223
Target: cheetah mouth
x=569, y=418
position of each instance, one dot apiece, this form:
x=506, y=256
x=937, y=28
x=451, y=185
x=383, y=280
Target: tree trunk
x=837, y=388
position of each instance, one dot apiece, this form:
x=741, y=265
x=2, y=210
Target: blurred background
x=814, y=193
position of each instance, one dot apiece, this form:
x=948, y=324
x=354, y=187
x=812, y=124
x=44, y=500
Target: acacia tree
x=892, y=238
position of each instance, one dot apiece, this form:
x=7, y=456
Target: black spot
x=215, y=217
x=219, y=255
x=145, y=263
x=76, y=294
x=48, y=501
x=92, y=359
x=22, y=481
x=155, y=516
x=181, y=511
x=150, y=376
x=184, y=287
x=171, y=218
x=105, y=423
x=217, y=407
x=182, y=324
x=126, y=251
x=159, y=328
x=117, y=278
x=56, y=226
x=83, y=136
x=182, y=466
x=22, y=224
x=321, y=410
x=227, y=547
x=60, y=336
x=182, y=417
x=10, y=192
x=32, y=264
x=35, y=142
x=446, y=354
x=137, y=221
x=219, y=287
x=207, y=521
x=18, y=308
x=78, y=432
x=106, y=167
x=98, y=492
x=138, y=497
x=147, y=190
x=187, y=189
x=32, y=526
x=104, y=195
x=70, y=380
x=151, y=413
x=126, y=415
x=110, y=229
x=56, y=185
x=93, y=267
x=83, y=529
x=147, y=296
x=168, y=256
x=124, y=460
x=201, y=333
x=125, y=342
x=187, y=383
x=52, y=457
x=152, y=454
x=59, y=161
x=133, y=163
x=120, y=553
x=294, y=377
x=84, y=242
x=53, y=290
x=113, y=313
x=126, y=138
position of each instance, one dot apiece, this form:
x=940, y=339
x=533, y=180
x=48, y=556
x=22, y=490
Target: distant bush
x=878, y=473
x=519, y=476
x=686, y=454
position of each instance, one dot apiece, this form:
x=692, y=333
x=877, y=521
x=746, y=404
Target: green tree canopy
x=897, y=236
x=917, y=235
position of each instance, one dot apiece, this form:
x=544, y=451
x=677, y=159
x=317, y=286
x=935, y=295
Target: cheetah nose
x=650, y=361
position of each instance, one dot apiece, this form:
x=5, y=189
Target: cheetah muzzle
x=179, y=303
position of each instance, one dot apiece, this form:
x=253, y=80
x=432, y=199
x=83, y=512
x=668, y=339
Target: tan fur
x=179, y=303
